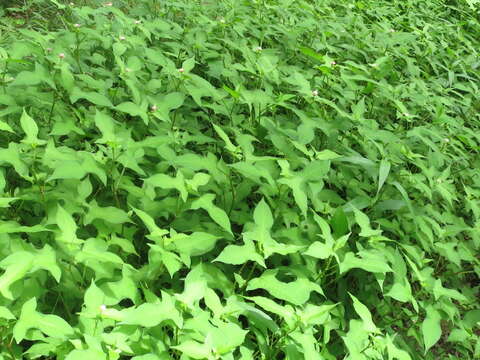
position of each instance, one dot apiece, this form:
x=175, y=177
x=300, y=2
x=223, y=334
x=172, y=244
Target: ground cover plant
x=270, y=179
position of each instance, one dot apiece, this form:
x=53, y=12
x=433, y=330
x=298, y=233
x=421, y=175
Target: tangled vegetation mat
x=239, y=179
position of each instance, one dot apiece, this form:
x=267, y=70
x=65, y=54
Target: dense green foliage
x=228, y=179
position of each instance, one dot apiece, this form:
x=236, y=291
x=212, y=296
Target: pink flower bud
x=77, y=25
x=181, y=70
x=333, y=63
x=61, y=55
x=122, y=37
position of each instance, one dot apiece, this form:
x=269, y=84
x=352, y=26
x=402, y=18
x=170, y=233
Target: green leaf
x=118, y=49
x=5, y=313
x=319, y=250
x=150, y=315
x=236, y=255
x=94, y=97
x=106, y=125
x=229, y=145
x=28, y=78
x=67, y=226
x=370, y=261
x=10, y=227
x=364, y=223
x=199, y=179
x=11, y=156
x=218, y=215
x=16, y=266
x=93, y=299
x=232, y=92
x=51, y=325
x=155, y=232
x=147, y=357
x=96, y=249
x=198, y=243
x=109, y=214
x=26, y=320
x=194, y=349
x=339, y=222
x=30, y=129
x=168, y=103
x=312, y=54
x=167, y=182
x=431, y=329
x=364, y=314
x=67, y=170
x=273, y=307
x=263, y=216
x=5, y=202
x=91, y=166
x=46, y=259
x=67, y=79
x=188, y=64
x=126, y=245
x=298, y=188
x=86, y=354
x=296, y=292
x=226, y=337
x=5, y=127
x=327, y=155
x=130, y=108
x=383, y=174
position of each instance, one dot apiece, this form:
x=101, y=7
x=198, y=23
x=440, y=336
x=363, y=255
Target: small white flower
x=392, y=30
x=49, y=49
x=315, y=92
x=333, y=63
x=128, y=70
x=181, y=70
x=103, y=307
x=77, y=25
x=222, y=20
x=117, y=351
x=446, y=140
x=258, y=48
x=407, y=114
x=121, y=37
x=374, y=65
x=72, y=4
x=153, y=108
x=108, y=4
x=61, y=55
x=138, y=22
x=439, y=181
